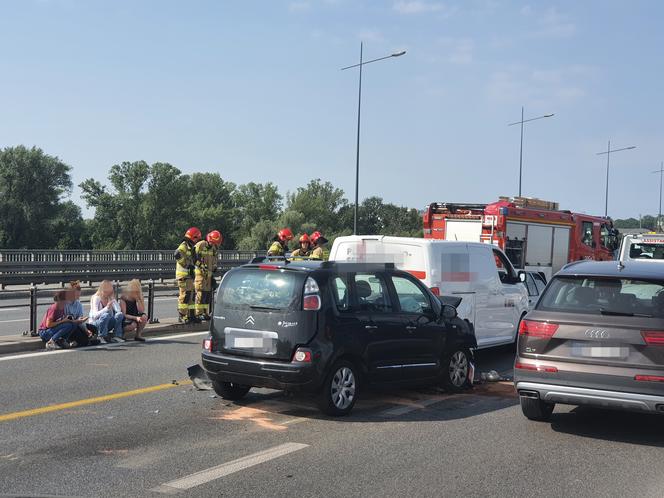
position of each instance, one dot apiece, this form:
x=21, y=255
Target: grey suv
x=595, y=337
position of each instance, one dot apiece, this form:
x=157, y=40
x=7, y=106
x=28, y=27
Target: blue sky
x=253, y=90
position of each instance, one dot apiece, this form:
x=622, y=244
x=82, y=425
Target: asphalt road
x=15, y=315
x=149, y=436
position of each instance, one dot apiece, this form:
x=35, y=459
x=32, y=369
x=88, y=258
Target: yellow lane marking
x=89, y=401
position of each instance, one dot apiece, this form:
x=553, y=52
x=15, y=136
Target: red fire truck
x=535, y=234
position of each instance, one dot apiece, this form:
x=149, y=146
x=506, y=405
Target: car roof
x=628, y=269
x=313, y=265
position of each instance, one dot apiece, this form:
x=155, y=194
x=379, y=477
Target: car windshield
x=600, y=295
x=260, y=289
x=647, y=251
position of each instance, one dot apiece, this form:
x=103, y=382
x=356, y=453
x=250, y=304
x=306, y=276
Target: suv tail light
x=302, y=355
x=208, y=344
x=537, y=367
x=311, y=300
x=537, y=329
x=649, y=378
x=653, y=337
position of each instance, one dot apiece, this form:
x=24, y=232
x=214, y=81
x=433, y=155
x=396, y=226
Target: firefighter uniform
x=317, y=253
x=206, y=265
x=301, y=253
x=185, y=260
x=276, y=249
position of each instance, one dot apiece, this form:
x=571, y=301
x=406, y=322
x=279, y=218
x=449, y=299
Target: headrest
x=363, y=288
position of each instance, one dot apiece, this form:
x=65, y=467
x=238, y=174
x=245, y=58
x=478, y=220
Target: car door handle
x=371, y=327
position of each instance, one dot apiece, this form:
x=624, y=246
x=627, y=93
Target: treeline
x=647, y=222
x=149, y=206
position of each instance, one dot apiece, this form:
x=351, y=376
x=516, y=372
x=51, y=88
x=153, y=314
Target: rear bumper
x=593, y=397
x=261, y=373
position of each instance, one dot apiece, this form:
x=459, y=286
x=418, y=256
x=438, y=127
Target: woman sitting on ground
x=55, y=327
x=85, y=334
x=105, y=314
x=133, y=308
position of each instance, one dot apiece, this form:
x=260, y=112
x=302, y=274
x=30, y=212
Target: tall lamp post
x=521, y=146
x=608, y=153
x=660, y=222
x=359, y=109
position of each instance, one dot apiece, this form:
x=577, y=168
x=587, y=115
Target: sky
x=253, y=90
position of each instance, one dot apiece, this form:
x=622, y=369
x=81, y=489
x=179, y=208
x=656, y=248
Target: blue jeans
x=59, y=331
x=107, y=322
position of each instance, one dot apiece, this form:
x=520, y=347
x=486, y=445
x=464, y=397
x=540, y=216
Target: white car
x=645, y=247
x=494, y=297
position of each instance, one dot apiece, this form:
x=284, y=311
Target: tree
x=211, y=205
x=376, y=217
x=320, y=203
x=32, y=188
x=255, y=202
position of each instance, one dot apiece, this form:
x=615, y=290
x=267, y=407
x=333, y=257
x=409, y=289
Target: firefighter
x=185, y=259
x=319, y=242
x=305, y=247
x=280, y=244
x=206, y=265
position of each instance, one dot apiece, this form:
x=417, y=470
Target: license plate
x=249, y=342
x=585, y=350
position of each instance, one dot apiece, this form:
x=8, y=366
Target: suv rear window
x=254, y=288
x=598, y=295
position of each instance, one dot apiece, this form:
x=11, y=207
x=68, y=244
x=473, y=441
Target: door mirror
x=449, y=312
x=522, y=276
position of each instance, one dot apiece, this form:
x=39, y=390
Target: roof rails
x=265, y=259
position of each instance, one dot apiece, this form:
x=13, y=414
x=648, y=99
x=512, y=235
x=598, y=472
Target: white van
x=493, y=297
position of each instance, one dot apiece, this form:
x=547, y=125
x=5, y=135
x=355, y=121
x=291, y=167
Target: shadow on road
x=610, y=425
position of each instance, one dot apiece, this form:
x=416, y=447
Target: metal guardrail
x=32, y=267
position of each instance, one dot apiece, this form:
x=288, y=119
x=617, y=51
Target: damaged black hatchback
x=332, y=329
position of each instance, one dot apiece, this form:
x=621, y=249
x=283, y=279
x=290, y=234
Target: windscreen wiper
x=257, y=307
x=622, y=313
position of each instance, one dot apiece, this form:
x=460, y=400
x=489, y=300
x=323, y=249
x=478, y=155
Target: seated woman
x=105, y=314
x=133, y=308
x=56, y=327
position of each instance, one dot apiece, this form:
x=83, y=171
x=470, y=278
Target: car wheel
x=229, y=390
x=340, y=389
x=536, y=409
x=456, y=369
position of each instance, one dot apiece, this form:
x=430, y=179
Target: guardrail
x=32, y=267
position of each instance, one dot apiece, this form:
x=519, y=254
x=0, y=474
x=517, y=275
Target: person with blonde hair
x=132, y=306
x=105, y=314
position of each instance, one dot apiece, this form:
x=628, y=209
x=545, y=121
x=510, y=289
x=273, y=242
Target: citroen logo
x=249, y=320
x=597, y=333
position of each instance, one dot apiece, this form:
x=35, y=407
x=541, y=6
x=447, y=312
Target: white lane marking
x=231, y=467
x=11, y=309
x=101, y=346
x=417, y=405
x=13, y=321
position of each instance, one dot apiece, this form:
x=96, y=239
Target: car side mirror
x=522, y=276
x=449, y=312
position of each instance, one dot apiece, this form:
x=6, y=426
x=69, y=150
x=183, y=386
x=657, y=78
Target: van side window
x=340, y=292
x=504, y=268
x=412, y=299
x=371, y=293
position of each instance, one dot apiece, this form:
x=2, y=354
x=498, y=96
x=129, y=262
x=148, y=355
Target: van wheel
x=456, y=369
x=229, y=390
x=340, y=389
x=536, y=409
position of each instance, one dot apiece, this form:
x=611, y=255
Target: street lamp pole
x=608, y=153
x=359, y=112
x=521, y=145
x=661, y=177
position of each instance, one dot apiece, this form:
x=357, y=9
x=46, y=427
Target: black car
x=331, y=329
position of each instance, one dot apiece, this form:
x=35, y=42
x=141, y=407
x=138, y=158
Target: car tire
x=536, y=409
x=230, y=390
x=340, y=389
x=456, y=369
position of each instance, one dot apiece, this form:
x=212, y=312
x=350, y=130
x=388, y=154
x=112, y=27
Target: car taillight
x=302, y=355
x=311, y=300
x=537, y=329
x=536, y=367
x=435, y=290
x=653, y=337
x=649, y=378
x=207, y=344
x=268, y=267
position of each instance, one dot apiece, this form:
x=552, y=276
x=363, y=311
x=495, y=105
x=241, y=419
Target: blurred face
x=304, y=245
x=107, y=290
x=70, y=296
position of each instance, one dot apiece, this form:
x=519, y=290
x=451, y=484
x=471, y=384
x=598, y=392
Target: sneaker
x=73, y=344
x=50, y=345
x=62, y=343
x=107, y=339
x=120, y=339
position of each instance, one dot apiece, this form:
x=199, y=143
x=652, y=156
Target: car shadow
x=611, y=425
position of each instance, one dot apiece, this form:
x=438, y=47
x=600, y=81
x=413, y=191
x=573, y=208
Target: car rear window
x=599, y=295
x=647, y=250
x=257, y=288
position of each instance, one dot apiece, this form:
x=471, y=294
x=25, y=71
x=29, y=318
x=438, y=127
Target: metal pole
x=33, y=311
x=357, y=151
x=606, y=196
x=151, y=316
x=659, y=216
x=521, y=154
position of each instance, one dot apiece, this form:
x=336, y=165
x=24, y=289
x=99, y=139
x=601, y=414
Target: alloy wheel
x=343, y=388
x=458, y=369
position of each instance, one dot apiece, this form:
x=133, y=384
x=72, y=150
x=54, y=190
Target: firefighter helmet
x=285, y=234
x=305, y=238
x=193, y=234
x=318, y=237
x=214, y=237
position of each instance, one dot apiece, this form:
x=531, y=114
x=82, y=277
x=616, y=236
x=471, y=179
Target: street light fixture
x=608, y=153
x=359, y=109
x=660, y=222
x=521, y=146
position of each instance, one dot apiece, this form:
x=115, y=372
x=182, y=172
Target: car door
x=424, y=337
x=514, y=298
x=383, y=329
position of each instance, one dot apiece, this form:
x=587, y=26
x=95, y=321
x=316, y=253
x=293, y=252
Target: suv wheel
x=340, y=389
x=229, y=390
x=536, y=409
x=456, y=369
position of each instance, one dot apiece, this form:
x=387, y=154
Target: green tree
x=211, y=206
x=320, y=203
x=376, y=217
x=255, y=202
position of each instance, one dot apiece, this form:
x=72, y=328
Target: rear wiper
x=622, y=313
x=256, y=307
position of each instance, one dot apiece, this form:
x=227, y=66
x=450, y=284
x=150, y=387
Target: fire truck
x=534, y=234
